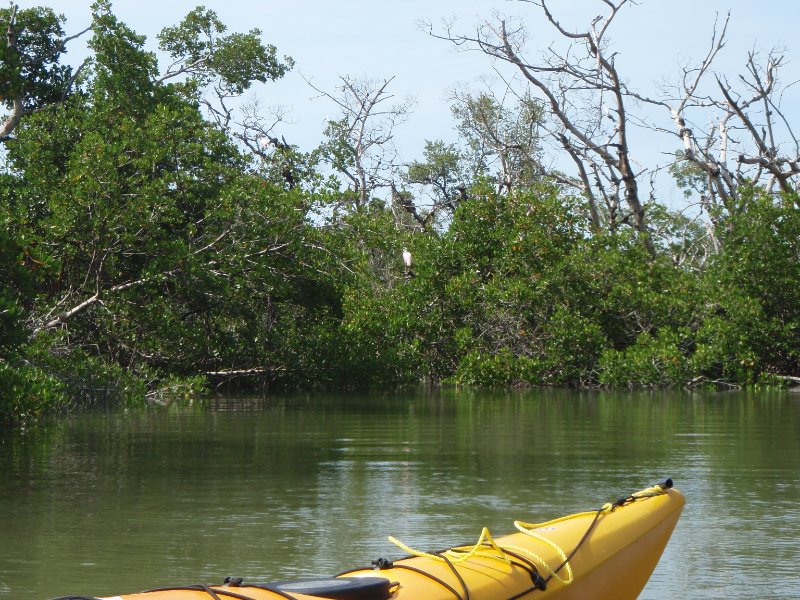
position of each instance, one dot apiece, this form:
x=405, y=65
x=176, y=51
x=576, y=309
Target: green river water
x=281, y=488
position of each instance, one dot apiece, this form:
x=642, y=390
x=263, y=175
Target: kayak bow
x=595, y=555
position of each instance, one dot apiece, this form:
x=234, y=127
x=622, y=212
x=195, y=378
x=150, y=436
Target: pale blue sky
x=382, y=39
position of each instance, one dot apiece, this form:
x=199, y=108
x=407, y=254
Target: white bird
x=263, y=141
x=406, y=258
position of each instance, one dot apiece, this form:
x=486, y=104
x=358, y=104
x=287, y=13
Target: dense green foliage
x=145, y=254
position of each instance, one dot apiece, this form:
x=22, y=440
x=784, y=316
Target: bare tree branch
x=81, y=307
x=360, y=144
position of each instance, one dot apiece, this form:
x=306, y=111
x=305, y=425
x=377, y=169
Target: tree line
x=161, y=237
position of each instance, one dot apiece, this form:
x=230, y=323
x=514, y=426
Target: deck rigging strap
x=486, y=547
x=529, y=530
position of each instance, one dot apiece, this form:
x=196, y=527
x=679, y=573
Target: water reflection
x=301, y=486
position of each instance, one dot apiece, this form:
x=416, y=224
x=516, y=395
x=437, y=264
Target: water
x=281, y=488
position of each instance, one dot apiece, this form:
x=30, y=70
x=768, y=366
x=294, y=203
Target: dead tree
x=585, y=99
x=767, y=156
x=360, y=142
x=730, y=137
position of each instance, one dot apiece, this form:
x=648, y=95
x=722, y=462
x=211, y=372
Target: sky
x=382, y=38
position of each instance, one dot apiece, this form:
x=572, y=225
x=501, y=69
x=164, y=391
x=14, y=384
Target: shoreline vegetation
x=157, y=242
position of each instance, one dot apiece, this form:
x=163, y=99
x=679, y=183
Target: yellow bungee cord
x=529, y=530
x=485, y=547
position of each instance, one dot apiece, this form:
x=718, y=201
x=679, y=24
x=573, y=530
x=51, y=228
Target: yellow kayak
x=608, y=553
